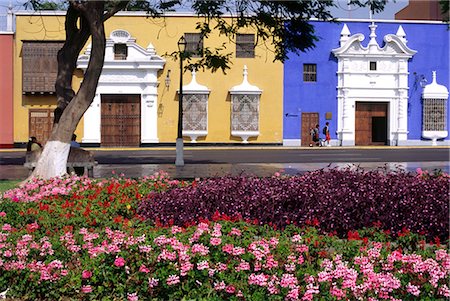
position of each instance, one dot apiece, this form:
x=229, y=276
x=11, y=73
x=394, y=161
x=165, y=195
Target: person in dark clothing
x=33, y=144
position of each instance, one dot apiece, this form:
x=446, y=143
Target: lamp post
x=179, y=161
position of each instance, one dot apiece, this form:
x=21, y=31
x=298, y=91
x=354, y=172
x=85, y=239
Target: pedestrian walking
x=315, y=136
x=326, y=132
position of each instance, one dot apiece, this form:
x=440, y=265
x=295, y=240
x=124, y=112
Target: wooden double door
x=121, y=120
x=41, y=124
x=309, y=121
x=371, y=123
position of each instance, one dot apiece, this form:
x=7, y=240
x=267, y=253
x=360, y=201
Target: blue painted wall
x=431, y=41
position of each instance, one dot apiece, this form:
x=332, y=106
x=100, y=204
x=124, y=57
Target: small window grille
x=373, y=66
x=120, y=51
x=309, y=72
x=194, y=44
x=434, y=115
x=245, y=45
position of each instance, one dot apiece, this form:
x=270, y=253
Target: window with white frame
x=434, y=115
x=195, y=112
x=245, y=112
x=120, y=51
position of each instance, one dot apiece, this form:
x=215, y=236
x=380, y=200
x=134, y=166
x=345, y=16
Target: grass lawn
x=8, y=184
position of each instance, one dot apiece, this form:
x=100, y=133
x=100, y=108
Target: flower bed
x=334, y=200
x=78, y=239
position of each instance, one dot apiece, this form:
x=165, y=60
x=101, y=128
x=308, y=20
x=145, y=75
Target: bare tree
x=283, y=24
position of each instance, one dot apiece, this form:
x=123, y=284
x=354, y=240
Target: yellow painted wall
x=164, y=33
x=35, y=27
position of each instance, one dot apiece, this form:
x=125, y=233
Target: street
x=261, y=161
x=234, y=155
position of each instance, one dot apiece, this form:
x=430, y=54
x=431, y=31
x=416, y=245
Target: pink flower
x=173, y=279
x=288, y=280
x=413, y=289
x=132, y=297
x=235, y=231
x=215, y=241
x=144, y=269
x=2, y=214
x=86, y=274
x=119, y=262
x=203, y=265
x=219, y=286
x=153, y=282
x=86, y=289
x=258, y=279
x=176, y=229
x=7, y=227
x=230, y=289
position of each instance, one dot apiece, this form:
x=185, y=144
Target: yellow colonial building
x=136, y=102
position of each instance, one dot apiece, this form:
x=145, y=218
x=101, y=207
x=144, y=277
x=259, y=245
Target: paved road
x=256, y=155
x=210, y=162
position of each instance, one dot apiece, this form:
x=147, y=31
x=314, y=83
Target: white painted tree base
x=52, y=161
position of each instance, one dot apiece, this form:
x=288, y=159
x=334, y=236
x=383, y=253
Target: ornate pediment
x=131, y=56
x=395, y=44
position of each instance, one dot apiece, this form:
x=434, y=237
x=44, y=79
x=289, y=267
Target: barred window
x=309, y=72
x=120, y=51
x=245, y=45
x=195, y=112
x=434, y=115
x=194, y=44
x=39, y=66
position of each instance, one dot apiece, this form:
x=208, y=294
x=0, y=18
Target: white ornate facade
x=245, y=109
x=195, y=109
x=435, y=108
x=136, y=74
x=373, y=74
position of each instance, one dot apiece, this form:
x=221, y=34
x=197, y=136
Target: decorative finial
x=434, y=77
x=401, y=34
x=194, y=74
x=373, y=42
x=245, y=73
x=345, y=34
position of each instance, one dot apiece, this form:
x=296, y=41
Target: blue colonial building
x=376, y=83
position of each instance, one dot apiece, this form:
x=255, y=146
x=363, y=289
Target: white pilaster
x=92, y=120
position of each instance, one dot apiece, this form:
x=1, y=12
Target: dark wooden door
x=371, y=123
x=40, y=124
x=121, y=120
x=309, y=120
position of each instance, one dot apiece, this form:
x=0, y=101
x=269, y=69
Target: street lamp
x=179, y=161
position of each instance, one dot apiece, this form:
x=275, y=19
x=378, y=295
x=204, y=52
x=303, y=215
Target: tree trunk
x=53, y=160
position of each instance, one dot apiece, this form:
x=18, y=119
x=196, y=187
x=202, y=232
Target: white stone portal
x=373, y=74
x=134, y=74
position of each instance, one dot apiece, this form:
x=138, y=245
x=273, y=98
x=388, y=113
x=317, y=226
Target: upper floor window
x=39, y=66
x=309, y=72
x=194, y=44
x=373, y=66
x=120, y=51
x=245, y=45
